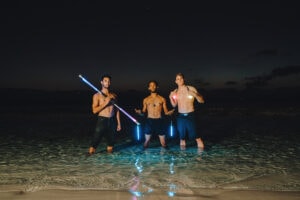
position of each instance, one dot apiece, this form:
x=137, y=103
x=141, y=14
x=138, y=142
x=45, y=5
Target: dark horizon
x=21, y=96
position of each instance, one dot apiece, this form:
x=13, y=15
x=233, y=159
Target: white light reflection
x=139, y=190
x=171, y=168
x=136, y=189
x=138, y=165
x=172, y=186
x=172, y=190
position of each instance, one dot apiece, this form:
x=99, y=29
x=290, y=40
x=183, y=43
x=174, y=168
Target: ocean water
x=243, y=151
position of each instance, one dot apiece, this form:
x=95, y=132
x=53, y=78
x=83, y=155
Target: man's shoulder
x=161, y=97
x=147, y=98
x=96, y=94
x=190, y=87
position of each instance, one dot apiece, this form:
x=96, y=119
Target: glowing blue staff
x=171, y=129
x=96, y=89
x=91, y=85
x=138, y=132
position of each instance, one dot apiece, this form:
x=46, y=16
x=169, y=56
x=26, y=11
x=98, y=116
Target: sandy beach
x=48, y=194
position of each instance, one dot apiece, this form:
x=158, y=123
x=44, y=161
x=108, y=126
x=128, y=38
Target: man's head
x=105, y=80
x=152, y=86
x=179, y=80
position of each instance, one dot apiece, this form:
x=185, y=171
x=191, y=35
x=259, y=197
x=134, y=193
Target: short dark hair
x=153, y=81
x=105, y=76
x=180, y=74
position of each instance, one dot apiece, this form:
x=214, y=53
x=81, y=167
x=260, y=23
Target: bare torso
x=184, y=100
x=154, y=105
x=101, y=105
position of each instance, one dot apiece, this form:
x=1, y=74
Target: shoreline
x=17, y=192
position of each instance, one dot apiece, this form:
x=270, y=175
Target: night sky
x=216, y=45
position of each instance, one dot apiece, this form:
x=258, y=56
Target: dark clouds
x=231, y=83
x=267, y=52
x=262, y=80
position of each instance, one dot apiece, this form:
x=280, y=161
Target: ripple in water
x=247, y=161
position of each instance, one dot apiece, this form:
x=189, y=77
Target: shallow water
x=256, y=156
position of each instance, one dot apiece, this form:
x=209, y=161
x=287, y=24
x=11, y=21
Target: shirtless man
x=184, y=97
x=108, y=117
x=153, y=105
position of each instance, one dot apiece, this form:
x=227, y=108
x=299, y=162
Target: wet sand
x=220, y=194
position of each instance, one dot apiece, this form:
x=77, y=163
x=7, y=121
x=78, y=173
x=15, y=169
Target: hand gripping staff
x=121, y=109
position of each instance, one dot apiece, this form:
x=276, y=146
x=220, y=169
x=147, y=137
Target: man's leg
x=182, y=144
x=97, y=137
x=181, y=123
x=110, y=134
x=147, y=140
x=162, y=140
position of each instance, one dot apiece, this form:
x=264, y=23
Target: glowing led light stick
x=96, y=89
x=171, y=129
x=91, y=85
x=138, y=132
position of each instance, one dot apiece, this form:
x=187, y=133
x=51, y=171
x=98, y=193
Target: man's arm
x=173, y=98
x=118, y=120
x=144, y=109
x=166, y=111
x=193, y=91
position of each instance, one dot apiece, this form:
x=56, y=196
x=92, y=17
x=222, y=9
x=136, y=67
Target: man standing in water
x=108, y=116
x=153, y=105
x=184, y=97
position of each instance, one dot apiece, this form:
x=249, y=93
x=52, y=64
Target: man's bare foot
x=109, y=149
x=200, y=144
x=182, y=144
x=92, y=150
x=146, y=144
